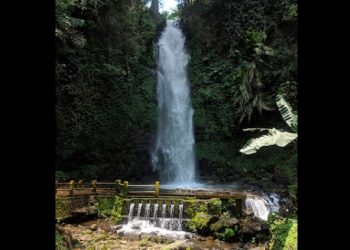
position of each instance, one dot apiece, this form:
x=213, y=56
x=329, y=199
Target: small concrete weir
x=166, y=221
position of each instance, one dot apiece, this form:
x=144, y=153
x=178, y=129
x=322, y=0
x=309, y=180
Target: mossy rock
x=225, y=221
x=200, y=222
x=215, y=206
x=194, y=206
x=230, y=205
x=62, y=210
x=144, y=242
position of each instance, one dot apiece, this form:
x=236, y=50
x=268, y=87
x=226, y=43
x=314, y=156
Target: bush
x=193, y=206
x=214, y=206
x=284, y=233
x=104, y=207
x=116, y=214
x=200, y=222
x=228, y=234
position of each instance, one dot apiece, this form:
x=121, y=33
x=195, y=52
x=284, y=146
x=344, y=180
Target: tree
x=155, y=6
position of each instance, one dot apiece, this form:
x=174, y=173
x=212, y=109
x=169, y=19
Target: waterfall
x=155, y=214
x=131, y=211
x=263, y=205
x=173, y=155
x=139, y=211
x=148, y=208
x=273, y=202
x=172, y=210
x=171, y=226
x=162, y=225
x=181, y=206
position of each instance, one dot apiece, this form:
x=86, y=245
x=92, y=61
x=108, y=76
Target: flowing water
x=164, y=225
x=173, y=155
x=147, y=211
x=139, y=208
x=181, y=207
x=155, y=213
x=263, y=205
x=131, y=211
x=172, y=210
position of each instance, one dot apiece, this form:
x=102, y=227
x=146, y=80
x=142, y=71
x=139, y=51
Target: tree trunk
x=155, y=6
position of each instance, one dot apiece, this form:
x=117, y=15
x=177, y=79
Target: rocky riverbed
x=100, y=234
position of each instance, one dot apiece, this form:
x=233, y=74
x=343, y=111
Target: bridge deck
x=163, y=193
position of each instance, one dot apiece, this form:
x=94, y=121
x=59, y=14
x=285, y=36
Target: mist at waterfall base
x=174, y=155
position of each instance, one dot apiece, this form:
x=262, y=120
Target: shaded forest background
x=242, y=53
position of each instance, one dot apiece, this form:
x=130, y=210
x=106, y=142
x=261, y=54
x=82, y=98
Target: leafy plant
x=248, y=92
x=274, y=136
x=284, y=233
x=228, y=234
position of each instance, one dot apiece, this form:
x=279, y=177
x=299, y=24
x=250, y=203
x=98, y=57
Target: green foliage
x=104, y=206
x=193, y=206
x=200, y=222
x=293, y=192
x=144, y=242
x=242, y=54
x=110, y=208
x=225, y=221
x=67, y=26
x=61, y=176
x=229, y=205
x=106, y=110
x=61, y=209
x=116, y=214
x=287, y=171
x=228, y=234
x=284, y=233
x=59, y=242
x=275, y=137
x=173, y=15
x=214, y=206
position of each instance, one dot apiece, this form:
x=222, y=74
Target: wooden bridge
x=124, y=189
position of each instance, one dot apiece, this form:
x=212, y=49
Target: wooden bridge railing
x=94, y=187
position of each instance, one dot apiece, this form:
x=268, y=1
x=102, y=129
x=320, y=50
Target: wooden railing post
x=79, y=183
x=117, y=186
x=157, y=189
x=126, y=184
x=71, y=187
x=94, y=186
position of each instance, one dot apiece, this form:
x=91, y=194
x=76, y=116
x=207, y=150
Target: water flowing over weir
x=162, y=225
x=173, y=154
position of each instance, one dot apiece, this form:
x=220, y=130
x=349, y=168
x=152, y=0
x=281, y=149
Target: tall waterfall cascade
x=173, y=155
